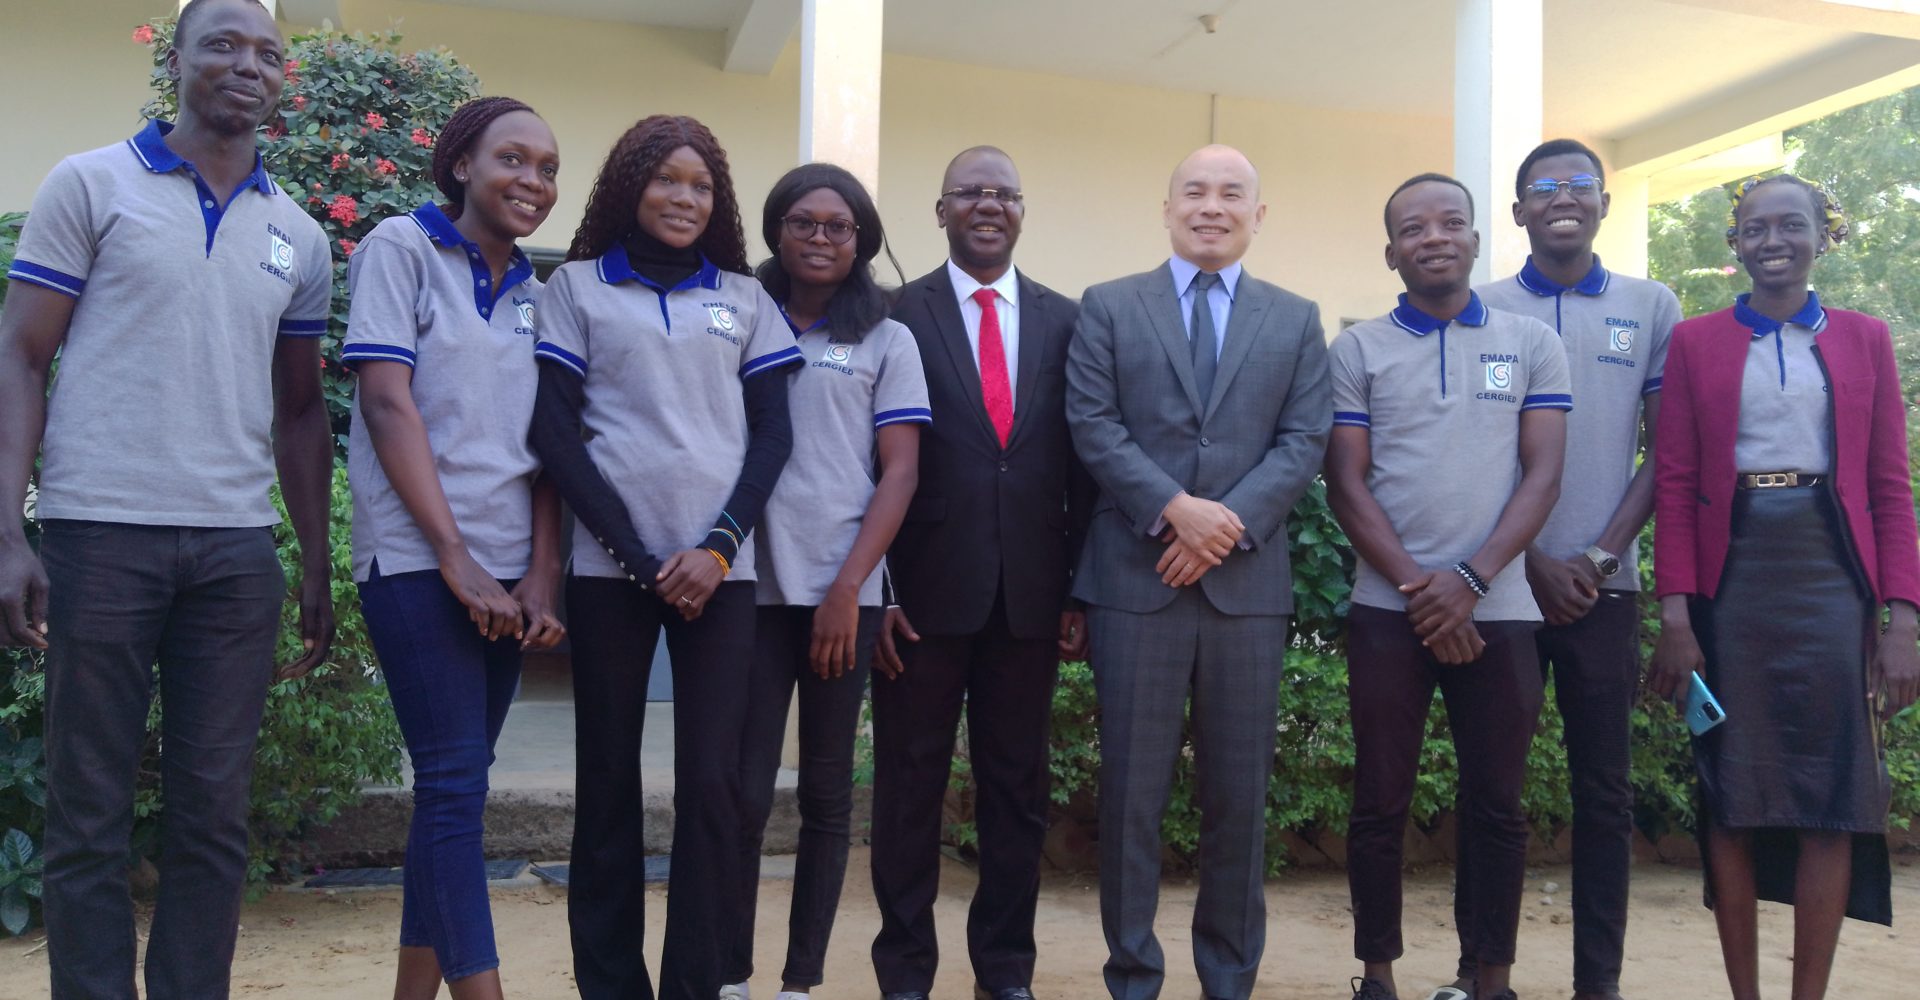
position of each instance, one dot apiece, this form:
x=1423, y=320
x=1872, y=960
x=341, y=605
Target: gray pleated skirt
x=1787, y=640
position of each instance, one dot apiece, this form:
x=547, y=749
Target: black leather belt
x=1776, y=480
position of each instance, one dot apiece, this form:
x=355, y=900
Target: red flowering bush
x=353, y=143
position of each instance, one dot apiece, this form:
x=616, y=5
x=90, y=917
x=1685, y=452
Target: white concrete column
x=1622, y=242
x=840, y=85
x=1496, y=117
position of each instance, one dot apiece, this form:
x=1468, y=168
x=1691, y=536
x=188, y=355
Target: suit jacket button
x=1205, y=443
x=1003, y=466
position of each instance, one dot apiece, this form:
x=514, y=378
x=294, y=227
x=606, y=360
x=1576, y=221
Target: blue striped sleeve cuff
x=352, y=354
x=47, y=277
x=1652, y=386
x=904, y=415
x=1547, y=401
x=547, y=351
x=768, y=362
x=1352, y=418
x=302, y=327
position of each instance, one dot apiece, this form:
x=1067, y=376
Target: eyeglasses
x=1577, y=185
x=801, y=228
x=1007, y=197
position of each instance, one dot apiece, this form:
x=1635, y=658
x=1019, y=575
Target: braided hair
x=629, y=169
x=457, y=138
x=1833, y=219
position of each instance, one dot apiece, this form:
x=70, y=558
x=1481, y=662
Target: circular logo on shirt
x=840, y=353
x=722, y=317
x=1622, y=339
x=282, y=253
x=1499, y=375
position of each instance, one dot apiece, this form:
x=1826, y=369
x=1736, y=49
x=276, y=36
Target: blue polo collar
x=615, y=267
x=433, y=221
x=149, y=144
x=818, y=324
x=1811, y=316
x=1534, y=280
x=1415, y=321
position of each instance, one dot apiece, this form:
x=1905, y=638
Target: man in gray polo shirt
x=184, y=292
x=1584, y=569
x=1449, y=432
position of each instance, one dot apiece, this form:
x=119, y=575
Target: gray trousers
x=204, y=603
x=1145, y=669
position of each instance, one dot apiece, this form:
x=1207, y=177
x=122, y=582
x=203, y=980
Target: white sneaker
x=734, y=991
x=790, y=995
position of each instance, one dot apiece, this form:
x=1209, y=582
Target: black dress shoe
x=905, y=995
x=1010, y=993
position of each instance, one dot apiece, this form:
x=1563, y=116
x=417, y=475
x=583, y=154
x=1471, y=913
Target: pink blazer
x=1693, y=463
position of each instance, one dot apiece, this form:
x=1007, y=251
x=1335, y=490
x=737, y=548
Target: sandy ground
x=339, y=946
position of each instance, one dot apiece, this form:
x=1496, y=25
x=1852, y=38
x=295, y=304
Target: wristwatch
x=1606, y=562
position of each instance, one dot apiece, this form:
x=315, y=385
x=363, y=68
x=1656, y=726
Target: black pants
x=205, y=604
x=829, y=718
x=1596, y=672
x=614, y=625
x=1006, y=684
x=1493, y=705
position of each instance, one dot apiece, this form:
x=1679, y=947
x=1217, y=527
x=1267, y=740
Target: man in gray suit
x=1198, y=399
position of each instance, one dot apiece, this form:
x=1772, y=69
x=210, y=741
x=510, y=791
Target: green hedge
x=1311, y=787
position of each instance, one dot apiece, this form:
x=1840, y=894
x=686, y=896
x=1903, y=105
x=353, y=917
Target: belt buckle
x=1771, y=480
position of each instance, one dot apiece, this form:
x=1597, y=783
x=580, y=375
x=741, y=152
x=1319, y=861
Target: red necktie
x=994, y=388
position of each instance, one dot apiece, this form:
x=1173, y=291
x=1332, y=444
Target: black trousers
x=1006, y=685
x=614, y=626
x=1493, y=705
x=829, y=720
x=205, y=604
x=1596, y=673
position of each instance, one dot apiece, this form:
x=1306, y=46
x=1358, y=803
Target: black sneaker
x=1370, y=989
x=1504, y=995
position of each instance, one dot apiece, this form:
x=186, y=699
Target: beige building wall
x=1094, y=157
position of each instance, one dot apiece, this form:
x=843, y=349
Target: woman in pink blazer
x=1784, y=522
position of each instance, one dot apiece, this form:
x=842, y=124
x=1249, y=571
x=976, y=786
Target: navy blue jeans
x=204, y=603
x=450, y=689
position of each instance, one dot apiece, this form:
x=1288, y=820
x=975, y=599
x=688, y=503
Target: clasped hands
x=1199, y=535
x=1440, y=608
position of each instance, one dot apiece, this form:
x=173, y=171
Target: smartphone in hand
x=1702, y=710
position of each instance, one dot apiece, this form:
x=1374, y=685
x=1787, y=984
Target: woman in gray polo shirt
x=662, y=415
x=455, y=539
x=827, y=528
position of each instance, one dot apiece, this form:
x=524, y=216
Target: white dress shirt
x=1006, y=304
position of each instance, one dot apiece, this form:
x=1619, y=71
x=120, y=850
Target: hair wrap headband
x=1833, y=217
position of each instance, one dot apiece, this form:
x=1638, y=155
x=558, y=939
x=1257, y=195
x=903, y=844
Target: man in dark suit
x=980, y=573
x=1197, y=397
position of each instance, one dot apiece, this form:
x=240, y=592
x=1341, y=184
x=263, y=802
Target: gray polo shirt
x=1615, y=330
x=847, y=391
x=1442, y=402
x=162, y=410
x=423, y=297
x=665, y=419
x=1785, y=416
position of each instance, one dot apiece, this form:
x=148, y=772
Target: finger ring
x=688, y=601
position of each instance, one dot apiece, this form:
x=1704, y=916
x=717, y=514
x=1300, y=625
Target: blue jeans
x=450, y=689
x=205, y=604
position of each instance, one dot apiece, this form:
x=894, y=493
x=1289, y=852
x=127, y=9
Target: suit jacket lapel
x=953, y=333
x=1249, y=310
x=1033, y=336
x=1163, y=310
x=1721, y=383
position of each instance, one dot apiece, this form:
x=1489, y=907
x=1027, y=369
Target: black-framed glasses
x=972, y=193
x=1577, y=185
x=801, y=228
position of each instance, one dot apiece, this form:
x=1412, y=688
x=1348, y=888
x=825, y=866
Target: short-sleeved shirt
x=665, y=418
x=1615, y=330
x=848, y=390
x=423, y=296
x=1786, y=417
x=1442, y=402
x=162, y=410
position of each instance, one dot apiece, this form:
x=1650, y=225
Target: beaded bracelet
x=1474, y=582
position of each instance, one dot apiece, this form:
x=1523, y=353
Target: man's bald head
x=1213, y=207
x=967, y=156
